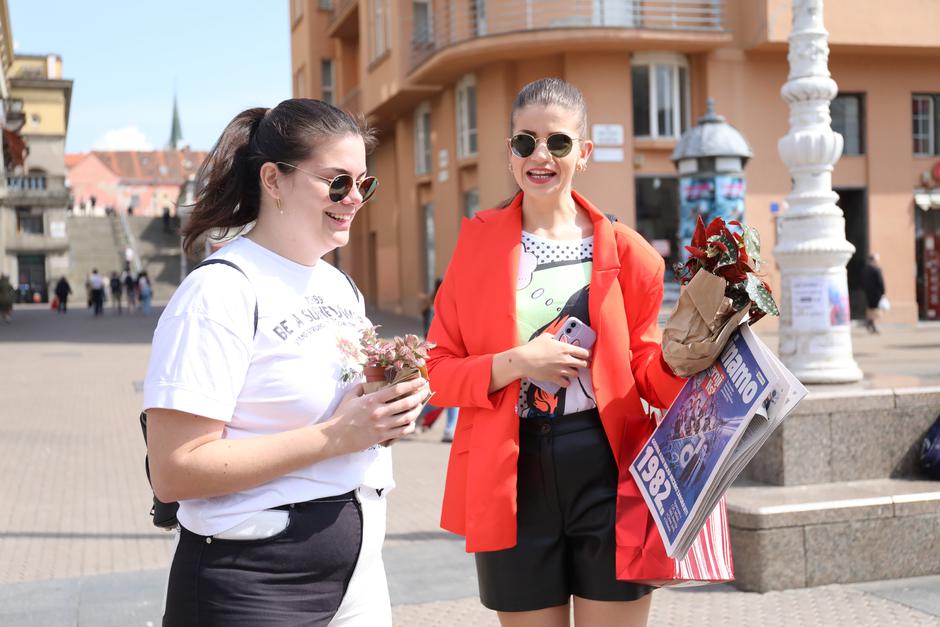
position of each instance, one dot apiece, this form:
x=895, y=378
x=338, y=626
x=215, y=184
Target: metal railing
x=455, y=21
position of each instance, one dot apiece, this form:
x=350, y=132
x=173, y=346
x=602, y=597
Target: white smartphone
x=573, y=332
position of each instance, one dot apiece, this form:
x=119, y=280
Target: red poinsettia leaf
x=715, y=228
x=697, y=252
x=734, y=223
x=698, y=237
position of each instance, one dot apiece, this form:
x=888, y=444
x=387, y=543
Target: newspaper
x=718, y=422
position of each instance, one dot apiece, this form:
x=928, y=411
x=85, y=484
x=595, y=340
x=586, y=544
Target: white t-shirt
x=205, y=361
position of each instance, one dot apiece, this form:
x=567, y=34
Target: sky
x=126, y=58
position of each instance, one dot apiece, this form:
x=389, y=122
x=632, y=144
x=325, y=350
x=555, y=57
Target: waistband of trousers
x=339, y=498
x=561, y=425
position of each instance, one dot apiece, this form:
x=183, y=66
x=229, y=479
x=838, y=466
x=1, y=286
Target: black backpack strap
x=352, y=284
x=226, y=262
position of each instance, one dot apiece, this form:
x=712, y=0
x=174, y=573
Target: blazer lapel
x=497, y=245
x=605, y=302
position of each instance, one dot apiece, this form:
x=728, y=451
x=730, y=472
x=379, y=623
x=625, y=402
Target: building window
x=622, y=13
x=925, y=124
x=848, y=120
x=430, y=260
x=467, y=117
x=471, y=202
x=421, y=18
x=660, y=96
x=326, y=5
x=300, y=89
x=327, y=81
x=379, y=28
x=479, y=17
x=423, y=139
x=29, y=221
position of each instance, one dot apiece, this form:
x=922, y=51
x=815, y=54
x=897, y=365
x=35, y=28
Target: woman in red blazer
x=532, y=480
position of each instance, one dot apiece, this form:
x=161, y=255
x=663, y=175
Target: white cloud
x=127, y=138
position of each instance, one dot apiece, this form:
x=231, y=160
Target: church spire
x=176, y=131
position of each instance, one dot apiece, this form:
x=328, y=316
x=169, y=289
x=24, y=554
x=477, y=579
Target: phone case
x=572, y=332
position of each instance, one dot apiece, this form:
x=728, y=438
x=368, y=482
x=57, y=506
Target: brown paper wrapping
x=405, y=374
x=700, y=325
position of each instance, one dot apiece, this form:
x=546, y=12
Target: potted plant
x=723, y=284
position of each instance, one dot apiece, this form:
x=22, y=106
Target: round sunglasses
x=559, y=144
x=342, y=184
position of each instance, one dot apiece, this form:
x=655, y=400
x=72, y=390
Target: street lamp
x=815, y=331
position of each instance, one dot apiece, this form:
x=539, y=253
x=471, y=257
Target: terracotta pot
x=374, y=374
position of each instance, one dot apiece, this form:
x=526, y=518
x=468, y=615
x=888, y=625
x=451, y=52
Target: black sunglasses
x=342, y=184
x=559, y=144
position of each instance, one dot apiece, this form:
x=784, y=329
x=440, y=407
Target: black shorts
x=567, y=495
x=297, y=577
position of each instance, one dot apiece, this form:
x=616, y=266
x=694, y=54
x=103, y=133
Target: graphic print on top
x=552, y=286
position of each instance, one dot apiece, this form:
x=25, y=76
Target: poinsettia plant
x=735, y=257
x=392, y=355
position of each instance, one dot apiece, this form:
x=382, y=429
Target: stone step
x=785, y=537
x=848, y=435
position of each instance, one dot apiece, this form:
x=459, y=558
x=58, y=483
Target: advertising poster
x=708, y=197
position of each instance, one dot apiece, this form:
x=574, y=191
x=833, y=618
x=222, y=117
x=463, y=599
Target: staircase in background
x=92, y=244
x=159, y=253
x=99, y=242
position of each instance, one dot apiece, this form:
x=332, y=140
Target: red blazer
x=475, y=319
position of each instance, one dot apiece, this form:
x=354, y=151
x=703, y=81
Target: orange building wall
x=886, y=59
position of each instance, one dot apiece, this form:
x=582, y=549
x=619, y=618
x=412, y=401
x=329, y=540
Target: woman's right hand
x=546, y=359
x=363, y=420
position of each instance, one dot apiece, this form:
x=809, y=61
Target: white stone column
x=815, y=331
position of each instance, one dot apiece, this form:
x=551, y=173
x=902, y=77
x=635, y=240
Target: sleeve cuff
x=168, y=396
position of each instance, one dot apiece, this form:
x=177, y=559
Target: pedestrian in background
x=533, y=481
x=130, y=287
x=62, y=291
x=144, y=291
x=6, y=298
x=273, y=454
x=96, y=285
x=873, y=282
x=166, y=219
x=117, y=287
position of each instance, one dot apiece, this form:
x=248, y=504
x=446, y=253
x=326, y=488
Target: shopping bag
x=709, y=559
x=884, y=304
x=54, y=303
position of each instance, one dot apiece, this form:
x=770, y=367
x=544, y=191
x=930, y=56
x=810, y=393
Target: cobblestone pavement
x=77, y=548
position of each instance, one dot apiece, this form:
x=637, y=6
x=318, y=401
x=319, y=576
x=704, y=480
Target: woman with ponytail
x=275, y=458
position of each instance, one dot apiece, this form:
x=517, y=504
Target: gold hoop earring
x=277, y=204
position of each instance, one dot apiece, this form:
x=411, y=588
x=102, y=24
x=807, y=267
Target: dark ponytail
x=230, y=192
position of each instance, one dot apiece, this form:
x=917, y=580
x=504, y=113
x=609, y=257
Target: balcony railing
x=27, y=182
x=42, y=189
x=455, y=21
